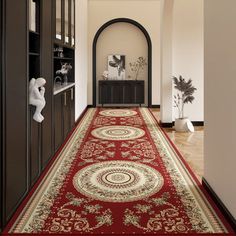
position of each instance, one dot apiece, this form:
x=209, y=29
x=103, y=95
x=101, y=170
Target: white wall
x=188, y=52
x=125, y=39
x=166, y=60
x=187, y=57
x=220, y=98
x=81, y=58
x=146, y=12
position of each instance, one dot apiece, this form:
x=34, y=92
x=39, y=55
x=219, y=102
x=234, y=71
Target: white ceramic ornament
x=36, y=97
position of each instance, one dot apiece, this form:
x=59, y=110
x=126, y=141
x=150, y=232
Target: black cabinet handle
x=64, y=99
x=72, y=94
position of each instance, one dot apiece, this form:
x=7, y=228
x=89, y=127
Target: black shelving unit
x=34, y=68
x=64, y=58
x=33, y=142
x=64, y=54
x=34, y=41
x=14, y=90
x=65, y=23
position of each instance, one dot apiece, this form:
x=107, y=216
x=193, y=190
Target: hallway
x=82, y=85
x=119, y=159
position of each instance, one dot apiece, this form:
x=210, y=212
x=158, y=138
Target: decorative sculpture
x=65, y=68
x=105, y=75
x=36, y=97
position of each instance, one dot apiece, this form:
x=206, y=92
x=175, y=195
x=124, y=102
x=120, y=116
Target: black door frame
x=149, y=43
x=2, y=214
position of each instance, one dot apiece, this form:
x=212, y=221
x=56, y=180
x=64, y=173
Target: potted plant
x=184, y=96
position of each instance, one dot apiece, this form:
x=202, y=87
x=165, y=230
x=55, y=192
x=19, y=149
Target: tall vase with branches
x=185, y=95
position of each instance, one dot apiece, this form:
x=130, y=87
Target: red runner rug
x=119, y=174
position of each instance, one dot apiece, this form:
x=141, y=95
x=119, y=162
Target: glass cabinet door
x=72, y=23
x=58, y=19
x=66, y=22
x=33, y=15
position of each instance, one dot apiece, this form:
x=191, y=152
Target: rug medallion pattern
x=118, y=181
x=117, y=132
x=118, y=174
x=118, y=113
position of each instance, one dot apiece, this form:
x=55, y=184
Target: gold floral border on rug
x=33, y=217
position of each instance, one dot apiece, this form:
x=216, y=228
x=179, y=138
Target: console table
x=121, y=92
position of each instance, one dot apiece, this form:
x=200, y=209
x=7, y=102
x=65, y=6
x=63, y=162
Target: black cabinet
x=34, y=128
x=46, y=138
x=14, y=107
x=58, y=121
x=40, y=65
x=64, y=110
x=72, y=108
x=121, y=92
x=27, y=146
x=66, y=113
x=34, y=148
x=64, y=22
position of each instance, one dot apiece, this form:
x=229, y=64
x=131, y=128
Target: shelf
x=63, y=58
x=34, y=32
x=34, y=54
x=64, y=45
x=60, y=88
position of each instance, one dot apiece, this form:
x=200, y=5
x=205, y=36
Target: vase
x=181, y=124
x=65, y=79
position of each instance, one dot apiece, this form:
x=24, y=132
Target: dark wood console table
x=121, y=92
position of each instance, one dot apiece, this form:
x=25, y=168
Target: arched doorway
x=149, y=43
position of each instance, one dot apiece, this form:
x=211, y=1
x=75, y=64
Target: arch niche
x=149, y=44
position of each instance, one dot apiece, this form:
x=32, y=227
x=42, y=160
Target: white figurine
x=36, y=97
x=105, y=75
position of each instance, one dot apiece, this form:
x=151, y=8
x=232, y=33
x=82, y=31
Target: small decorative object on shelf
x=36, y=97
x=185, y=96
x=105, y=75
x=59, y=51
x=65, y=68
x=137, y=66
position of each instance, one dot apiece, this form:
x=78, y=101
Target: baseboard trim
x=195, y=123
x=219, y=203
x=155, y=106
x=81, y=115
x=198, y=123
x=90, y=106
x=166, y=125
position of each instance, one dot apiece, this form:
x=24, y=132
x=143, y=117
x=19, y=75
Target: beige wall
x=166, y=60
x=146, y=12
x=124, y=39
x=81, y=57
x=187, y=39
x=220, y=97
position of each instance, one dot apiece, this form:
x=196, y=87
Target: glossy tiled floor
x=190, y=146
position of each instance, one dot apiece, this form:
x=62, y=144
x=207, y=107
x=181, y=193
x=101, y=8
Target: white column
x=166, y=60
x=81, y=56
